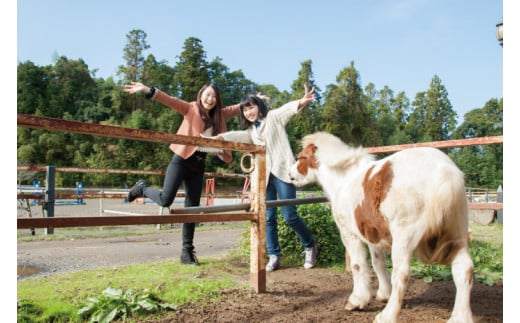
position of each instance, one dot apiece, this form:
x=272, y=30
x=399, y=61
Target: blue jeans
x=189, y=172
x=278, y=188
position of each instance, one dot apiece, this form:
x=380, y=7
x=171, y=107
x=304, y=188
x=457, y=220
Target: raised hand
x=263, y=97
x=308, y=97
x=136, y=87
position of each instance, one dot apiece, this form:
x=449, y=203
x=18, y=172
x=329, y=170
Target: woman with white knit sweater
x=267, y=128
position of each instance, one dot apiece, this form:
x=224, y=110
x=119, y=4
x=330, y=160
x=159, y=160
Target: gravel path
x=51, y=257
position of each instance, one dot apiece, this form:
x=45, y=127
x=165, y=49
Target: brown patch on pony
x=306, y=159
x=371, y=223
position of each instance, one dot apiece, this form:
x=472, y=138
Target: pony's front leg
x=361, y=295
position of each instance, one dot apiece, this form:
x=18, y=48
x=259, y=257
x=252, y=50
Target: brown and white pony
x=412, y=202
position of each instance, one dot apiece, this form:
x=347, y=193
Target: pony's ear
x=312, y=148
x=307, y=151
x=314, y=161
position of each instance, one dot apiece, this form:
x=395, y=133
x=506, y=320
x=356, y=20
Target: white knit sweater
x=272, y=135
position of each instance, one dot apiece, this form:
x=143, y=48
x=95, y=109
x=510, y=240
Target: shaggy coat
x=410, y=203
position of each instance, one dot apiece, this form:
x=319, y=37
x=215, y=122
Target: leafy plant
x=487, y=262
x=318, y=218
x=115, y=303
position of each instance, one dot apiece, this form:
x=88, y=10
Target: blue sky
x=398, y=43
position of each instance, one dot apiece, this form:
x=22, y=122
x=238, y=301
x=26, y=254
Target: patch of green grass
x=492, y=233
x=61, y=296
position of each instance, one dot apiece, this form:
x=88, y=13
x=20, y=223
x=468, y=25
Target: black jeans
x=189, y=172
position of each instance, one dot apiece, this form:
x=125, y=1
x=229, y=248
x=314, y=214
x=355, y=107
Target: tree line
x=358, y=115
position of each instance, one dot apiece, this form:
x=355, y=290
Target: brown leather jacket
x=192, y=124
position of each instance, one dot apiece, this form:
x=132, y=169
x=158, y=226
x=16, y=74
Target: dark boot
x=188, y=257
x=137, y=190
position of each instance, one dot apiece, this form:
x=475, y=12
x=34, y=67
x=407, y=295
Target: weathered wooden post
x=257, y=229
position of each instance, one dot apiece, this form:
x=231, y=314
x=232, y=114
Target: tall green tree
x=134, y=56
x=191, y=70
x=133, y=70
x=345, y=113
x=400, y=111
x=433, y=117
x=385, y=119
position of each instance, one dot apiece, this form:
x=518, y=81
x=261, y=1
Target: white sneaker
x=310, y=257
x=273, y=264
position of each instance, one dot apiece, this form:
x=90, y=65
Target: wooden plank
x=91, y=221
x=439, y=144
x=54, y=124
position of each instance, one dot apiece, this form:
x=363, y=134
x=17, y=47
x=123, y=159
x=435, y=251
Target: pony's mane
x=332, y=152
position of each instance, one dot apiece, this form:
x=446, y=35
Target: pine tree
x=191, y=70
x=433, y=117
x=345, y=113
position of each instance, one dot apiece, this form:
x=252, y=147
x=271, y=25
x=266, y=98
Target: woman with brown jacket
x=207, y=116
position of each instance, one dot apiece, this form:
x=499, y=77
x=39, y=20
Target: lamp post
x=500, y=33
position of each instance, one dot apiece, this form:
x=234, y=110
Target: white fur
x=427, y=195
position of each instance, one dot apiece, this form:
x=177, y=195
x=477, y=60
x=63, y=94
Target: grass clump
x=124, y=291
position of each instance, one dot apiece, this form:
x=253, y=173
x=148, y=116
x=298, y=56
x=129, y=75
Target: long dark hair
x=214, y=117
x=249, y=101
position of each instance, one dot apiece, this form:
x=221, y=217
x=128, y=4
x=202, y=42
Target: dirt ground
x=319, y=295
x=293, y=294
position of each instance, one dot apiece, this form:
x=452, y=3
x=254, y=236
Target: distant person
x=264, y=127
x=207, y=115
